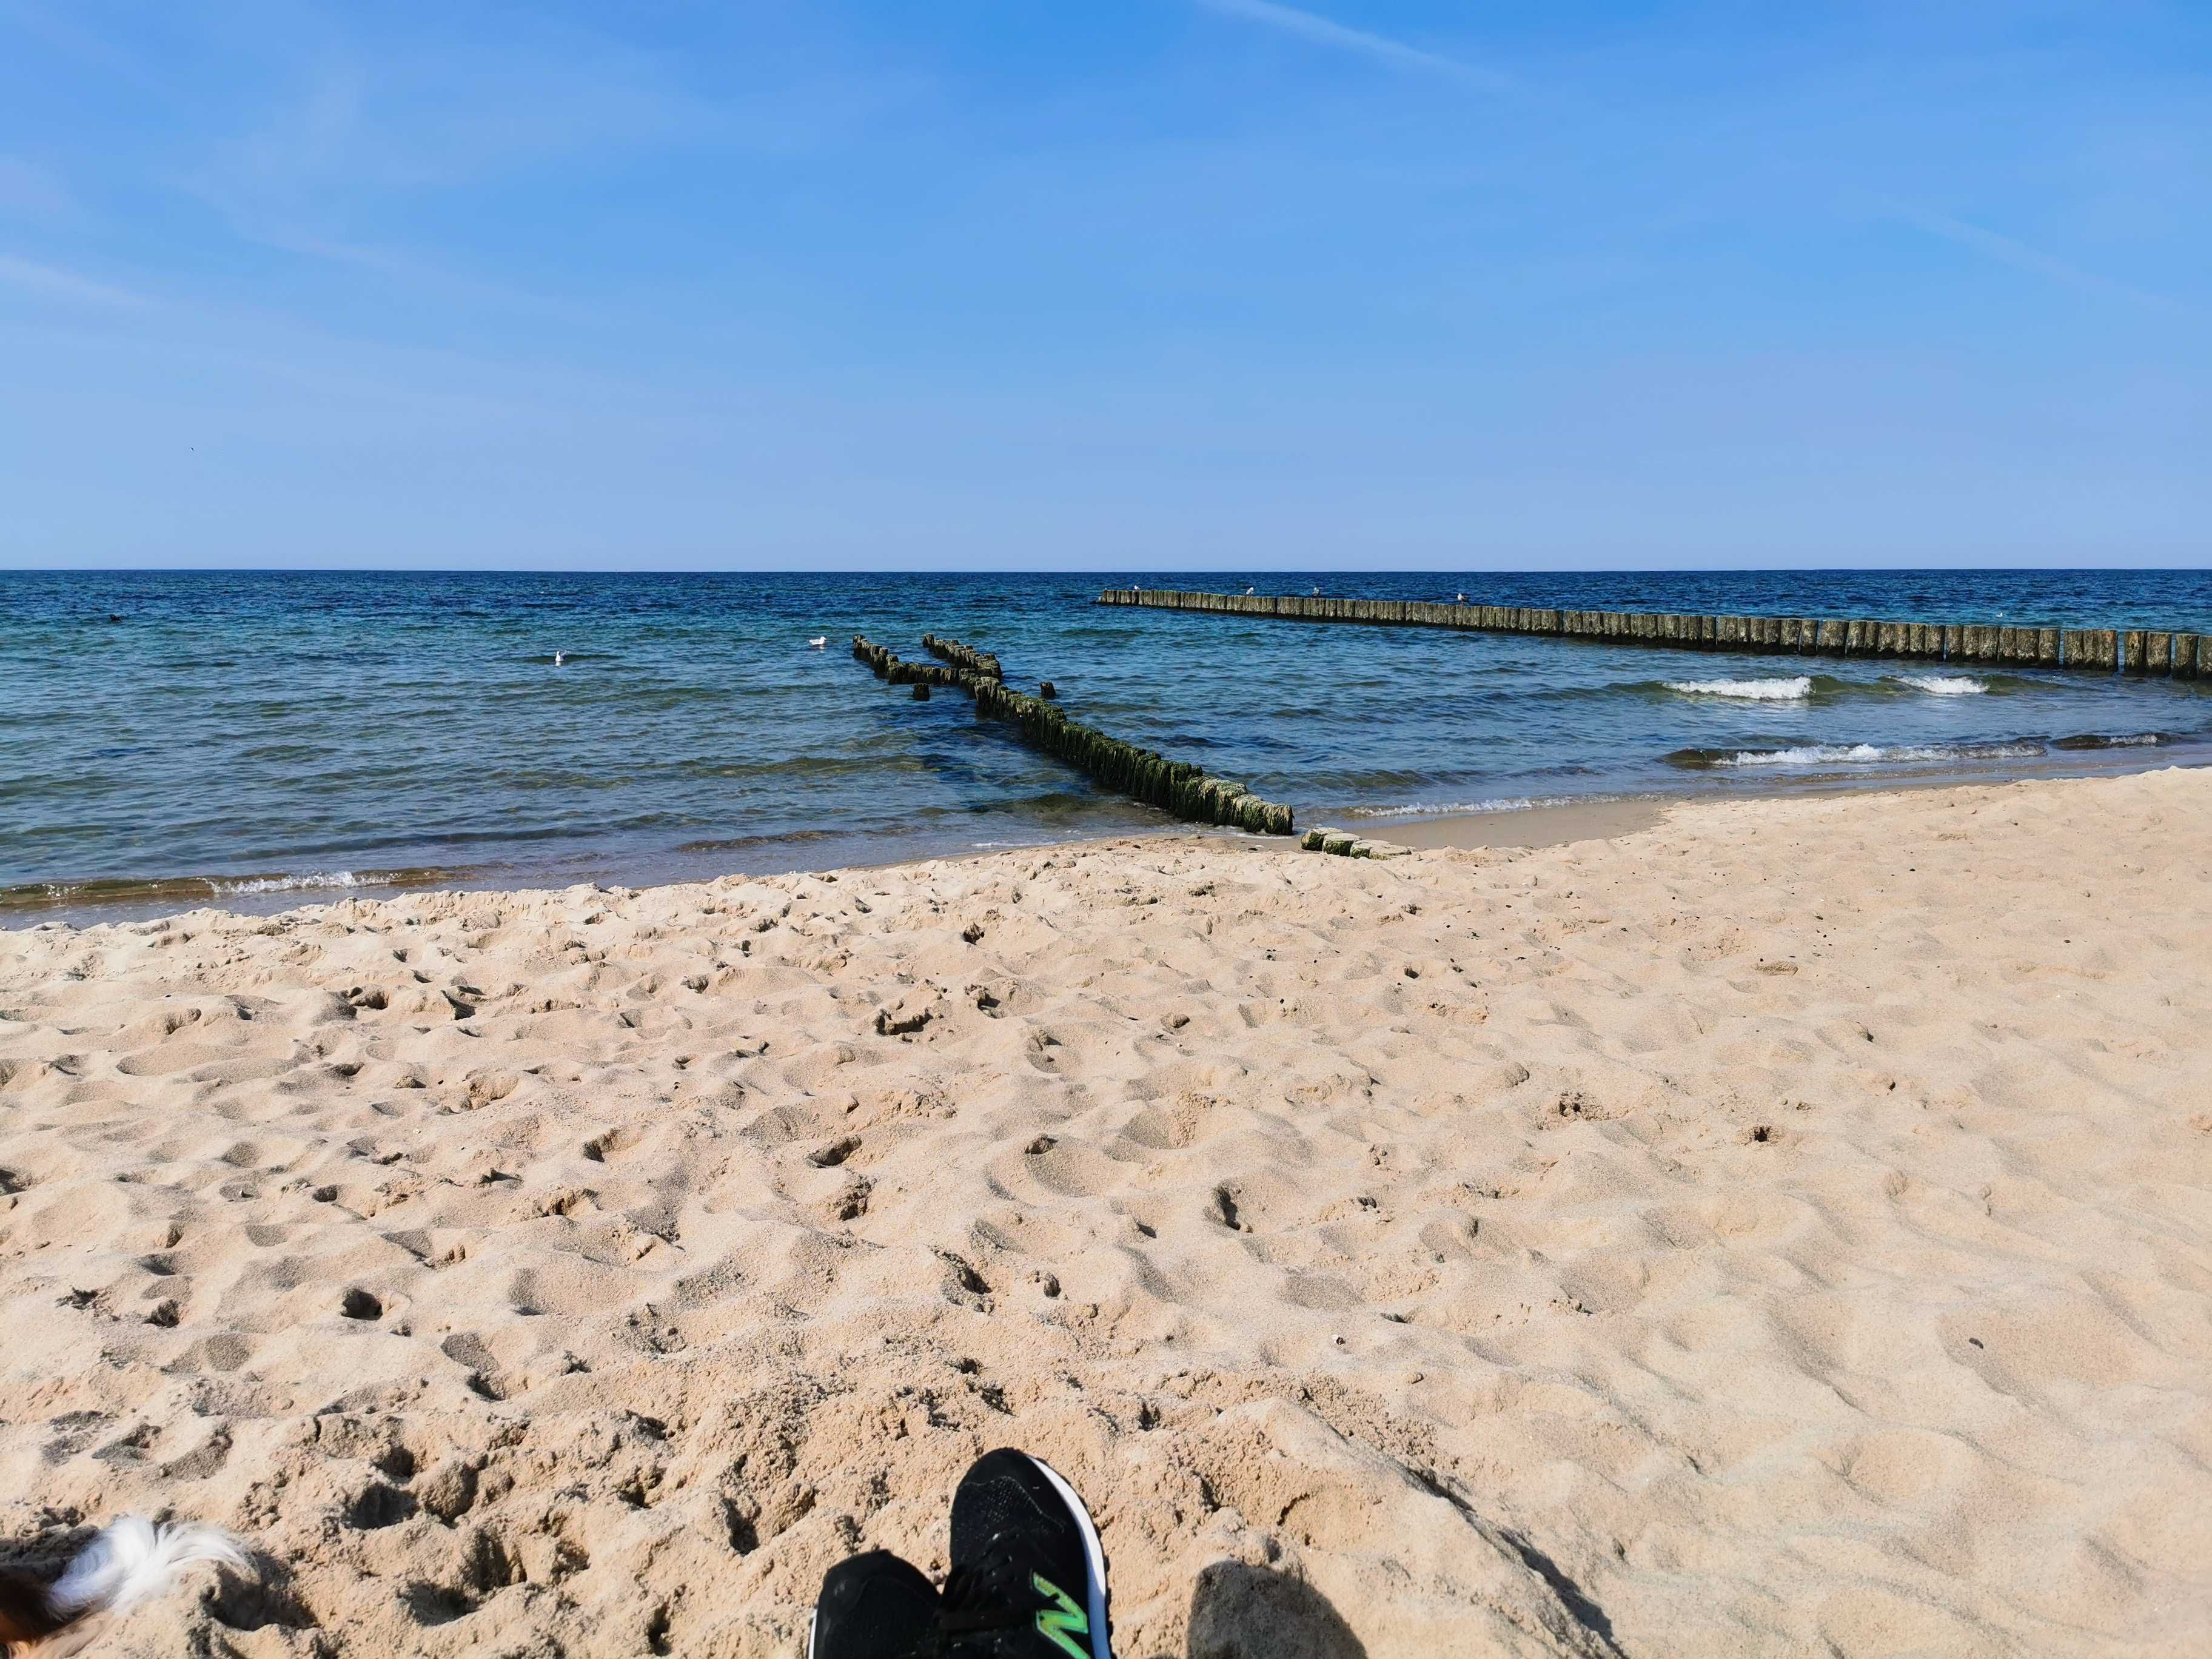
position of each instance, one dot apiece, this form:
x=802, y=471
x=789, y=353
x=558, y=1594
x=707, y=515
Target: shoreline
x=1543, y=824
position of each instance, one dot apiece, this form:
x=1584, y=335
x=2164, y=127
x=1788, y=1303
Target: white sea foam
x=1944, y=685
x=1789, y=691
x=312, y=880
x=1811, y=754
x=1833, y=754
x=1454, y=809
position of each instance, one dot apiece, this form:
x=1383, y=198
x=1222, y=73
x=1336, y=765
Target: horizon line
x=1007, y=570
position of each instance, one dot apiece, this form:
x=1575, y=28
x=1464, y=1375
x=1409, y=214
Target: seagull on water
x=560, y=657
x=819, y=641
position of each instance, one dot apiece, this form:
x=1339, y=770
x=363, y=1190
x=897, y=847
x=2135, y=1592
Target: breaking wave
x=2124, y=740
x=1454, y=809
x=1794, y=690
x=36, y=896
x=1852, y=754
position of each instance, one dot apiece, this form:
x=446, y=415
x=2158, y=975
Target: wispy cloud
x=385, y=123
x=360, y=135
x=365, y=138
x=399, y=266
x=54, y=282
x=1325, y=31
x=2019, y=255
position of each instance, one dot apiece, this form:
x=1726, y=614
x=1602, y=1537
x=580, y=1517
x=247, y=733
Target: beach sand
x=1786, y=1228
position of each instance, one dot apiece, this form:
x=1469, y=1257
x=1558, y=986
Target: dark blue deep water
x=165, y=739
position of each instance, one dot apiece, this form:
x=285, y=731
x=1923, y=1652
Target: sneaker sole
x=1095, y=1554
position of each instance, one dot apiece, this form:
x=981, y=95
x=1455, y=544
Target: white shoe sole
x=1093, y=1550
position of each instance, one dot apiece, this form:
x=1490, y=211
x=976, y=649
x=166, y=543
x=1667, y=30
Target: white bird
x=1251, y=590
x=1316, y=592
x=1462, y=598
x=560, y=657
x=819, y=641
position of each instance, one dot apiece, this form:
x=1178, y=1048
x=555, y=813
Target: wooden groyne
x=961, y=656
x=1143, y=775
x=893, y=669
x=2093, y=650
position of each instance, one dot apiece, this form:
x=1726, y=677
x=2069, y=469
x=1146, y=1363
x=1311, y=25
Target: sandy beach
x=1782, y=1227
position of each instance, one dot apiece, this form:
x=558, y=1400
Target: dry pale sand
x=1785, y=1230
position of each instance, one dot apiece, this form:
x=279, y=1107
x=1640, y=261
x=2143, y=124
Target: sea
x=261, y=739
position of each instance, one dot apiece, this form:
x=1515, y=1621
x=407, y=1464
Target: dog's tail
x=131, y=1561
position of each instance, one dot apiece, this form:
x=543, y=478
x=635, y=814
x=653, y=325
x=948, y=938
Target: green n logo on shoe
x=1061, y=1622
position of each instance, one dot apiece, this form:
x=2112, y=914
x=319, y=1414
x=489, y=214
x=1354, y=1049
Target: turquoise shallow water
x=264, y=738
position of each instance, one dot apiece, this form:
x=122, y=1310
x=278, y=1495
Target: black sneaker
x=873, y=1606
x=1029, y=1577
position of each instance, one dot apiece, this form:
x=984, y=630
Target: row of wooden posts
x=1175, y=787
x=889, y=666
x=2095, y=650
x=963, y=656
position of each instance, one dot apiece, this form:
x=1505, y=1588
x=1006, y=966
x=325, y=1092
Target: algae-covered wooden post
x=2140, y=651
x=2091, y=649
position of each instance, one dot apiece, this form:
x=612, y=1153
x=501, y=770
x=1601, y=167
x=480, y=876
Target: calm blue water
x=257, y=737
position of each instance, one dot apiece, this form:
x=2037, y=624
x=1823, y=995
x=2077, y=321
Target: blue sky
x=1167, y=283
